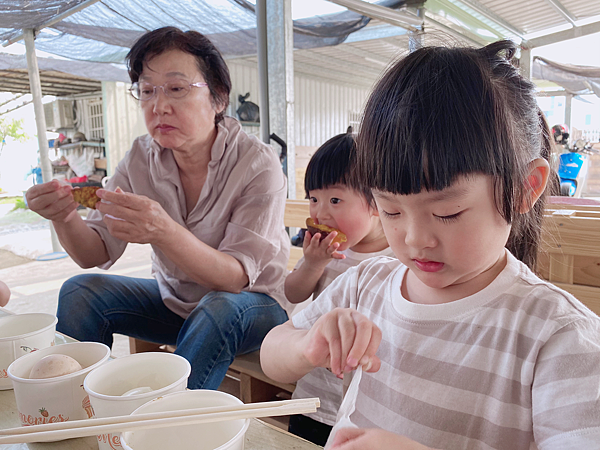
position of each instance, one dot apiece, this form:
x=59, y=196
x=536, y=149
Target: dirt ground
x=9, y=259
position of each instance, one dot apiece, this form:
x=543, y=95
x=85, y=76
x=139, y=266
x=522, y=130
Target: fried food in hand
x=86, y=196
x=314, y=228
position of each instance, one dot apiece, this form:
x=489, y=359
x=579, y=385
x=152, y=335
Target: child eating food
x=462, y=345
x=338, y=208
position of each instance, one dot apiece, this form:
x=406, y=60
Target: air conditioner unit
x=59, y=114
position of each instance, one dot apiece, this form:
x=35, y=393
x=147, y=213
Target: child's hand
x=4, y=294
x=342, y=340
x=317, y=252
x=372, y=439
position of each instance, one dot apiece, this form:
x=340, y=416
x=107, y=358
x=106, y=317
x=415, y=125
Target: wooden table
x=260, y=435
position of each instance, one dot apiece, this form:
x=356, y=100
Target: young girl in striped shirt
x=462, y=345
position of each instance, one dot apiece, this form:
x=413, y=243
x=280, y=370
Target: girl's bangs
x=429, y=123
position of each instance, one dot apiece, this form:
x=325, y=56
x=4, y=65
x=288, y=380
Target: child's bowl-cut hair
x=441, y=113
x=333, y=164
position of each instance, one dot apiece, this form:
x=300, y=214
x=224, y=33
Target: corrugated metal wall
x=322, y=109
x=123, y=122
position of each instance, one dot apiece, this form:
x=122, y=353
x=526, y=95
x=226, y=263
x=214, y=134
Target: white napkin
x=347, y=407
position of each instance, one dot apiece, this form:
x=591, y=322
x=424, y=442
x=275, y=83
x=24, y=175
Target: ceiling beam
x=16, y=107
x=23, y=86
x=493, y=17
x=333, y=77
x=564, y=35
x=401, y=19
x=45, y=83
x=336, y=63
x=555, y=93
x=45, y=91
x=563, y=11
x=8, y=75
x=436, y=21
x=396, y=44
x=314, y=72
x=16, y=97
x=52, y=21
x=25, y=81
x=352, y=50
x=372, y=32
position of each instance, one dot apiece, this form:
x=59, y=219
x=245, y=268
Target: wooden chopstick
x=91, y=427
x=157, y=415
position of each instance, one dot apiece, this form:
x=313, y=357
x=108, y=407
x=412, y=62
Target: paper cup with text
x=141, y=377
x=57, y=399
x=222, y=435
x=21, y=334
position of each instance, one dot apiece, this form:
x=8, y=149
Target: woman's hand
x=342, y=340
x=319, y=252
x=372, y=439
x=134, y=218
x=52, y=200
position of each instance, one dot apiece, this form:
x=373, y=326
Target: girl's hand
x=372, y=439
x=134, y=218
x=317, y=252
x=52, y=200
x=342, y=340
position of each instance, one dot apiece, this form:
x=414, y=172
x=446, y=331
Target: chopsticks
x=91, y=427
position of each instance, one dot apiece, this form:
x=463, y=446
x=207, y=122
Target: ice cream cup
x=58, y=399
x=141, y=377
x=224, y=435
x=21, y=334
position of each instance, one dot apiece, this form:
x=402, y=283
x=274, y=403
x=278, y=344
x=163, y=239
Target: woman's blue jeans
x=92, y=307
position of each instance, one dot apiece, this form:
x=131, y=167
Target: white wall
x=123, y=122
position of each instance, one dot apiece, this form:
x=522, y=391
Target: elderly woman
x=206, y=196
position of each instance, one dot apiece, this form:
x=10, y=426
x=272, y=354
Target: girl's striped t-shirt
x=515, y=366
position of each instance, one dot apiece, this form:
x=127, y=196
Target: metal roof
x=58, y=77
x=533, y=16
x=54, y=83
x=104, y=31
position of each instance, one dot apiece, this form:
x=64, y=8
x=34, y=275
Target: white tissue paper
x=347, y=407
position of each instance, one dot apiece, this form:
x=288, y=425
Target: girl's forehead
x=461, y=188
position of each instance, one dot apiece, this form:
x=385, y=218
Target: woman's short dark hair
x=333, y=164
x=441, y=113
x=210, y=62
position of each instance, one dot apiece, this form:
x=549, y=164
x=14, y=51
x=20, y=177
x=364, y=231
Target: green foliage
x=11, y=128
x=12, y=200
x=19, y=204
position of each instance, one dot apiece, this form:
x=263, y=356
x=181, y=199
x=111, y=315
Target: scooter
x=573, y=168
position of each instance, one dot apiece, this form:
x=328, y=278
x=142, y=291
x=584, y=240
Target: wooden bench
x=570, y=252
x=569, y=258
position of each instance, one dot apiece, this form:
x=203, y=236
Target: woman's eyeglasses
x=172, y=89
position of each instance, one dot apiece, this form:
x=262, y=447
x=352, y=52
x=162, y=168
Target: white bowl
x=163, y=373
x=58, y=399
x=224, y=435
x=21, y=334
